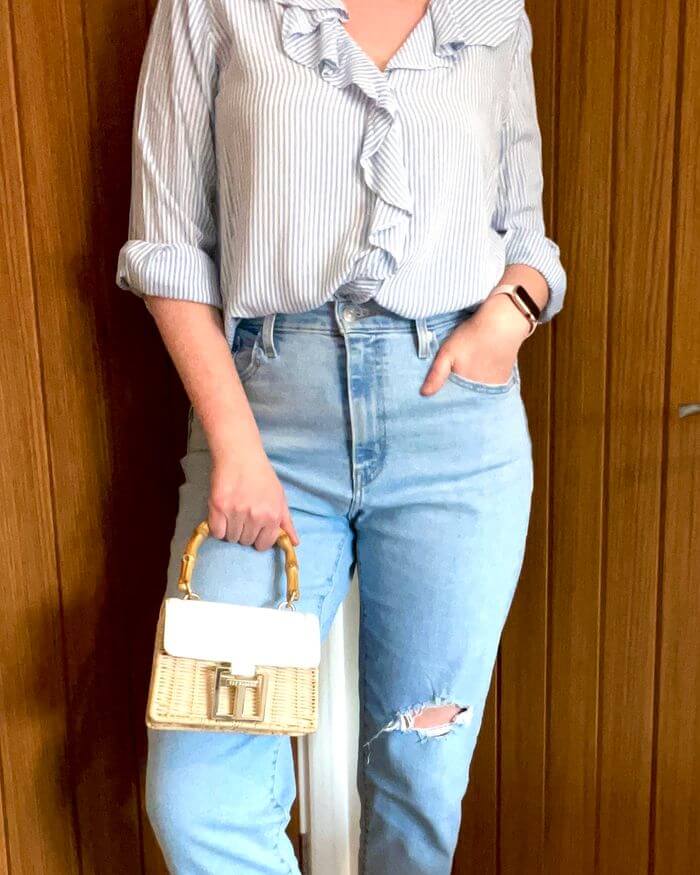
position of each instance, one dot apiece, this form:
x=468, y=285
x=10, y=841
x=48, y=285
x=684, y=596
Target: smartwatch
x=522, y=300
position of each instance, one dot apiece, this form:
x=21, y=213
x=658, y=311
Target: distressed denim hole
x=447, y=718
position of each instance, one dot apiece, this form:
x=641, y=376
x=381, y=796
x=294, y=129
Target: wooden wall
x=589, y=757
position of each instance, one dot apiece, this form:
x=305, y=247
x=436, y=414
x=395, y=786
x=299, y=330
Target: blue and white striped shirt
x=275, y=166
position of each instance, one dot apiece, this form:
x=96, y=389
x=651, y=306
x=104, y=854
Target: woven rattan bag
x=235, y=668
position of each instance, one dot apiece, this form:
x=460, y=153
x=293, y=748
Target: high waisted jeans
x=429, y=498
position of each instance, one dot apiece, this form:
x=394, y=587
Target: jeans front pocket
x=486, y=388
x=440, y=334
x=246, y=350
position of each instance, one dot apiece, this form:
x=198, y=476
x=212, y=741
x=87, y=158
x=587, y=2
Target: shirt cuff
x=538, y=251
x=170, y=270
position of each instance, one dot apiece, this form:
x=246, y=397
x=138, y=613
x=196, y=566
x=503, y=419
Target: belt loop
x=425, y=336
x=268, y=335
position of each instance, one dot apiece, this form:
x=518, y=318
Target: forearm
x=193, y=334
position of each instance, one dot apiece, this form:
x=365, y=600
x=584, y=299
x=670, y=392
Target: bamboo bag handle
x=201, y=533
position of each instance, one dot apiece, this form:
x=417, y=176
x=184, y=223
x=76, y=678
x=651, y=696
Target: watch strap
x=522, y=300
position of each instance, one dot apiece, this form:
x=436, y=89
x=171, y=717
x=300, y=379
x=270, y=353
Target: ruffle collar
x=453, y=25
x=461, y=23
x=313, y=35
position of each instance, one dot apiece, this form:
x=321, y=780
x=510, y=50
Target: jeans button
x=353, y=312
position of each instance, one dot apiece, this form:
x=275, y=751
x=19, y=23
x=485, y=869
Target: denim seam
x=333, y=575
x=357, y=492
x=376, y=467
x=356, y=328
x=362, y=789
x=482, y=388
x=256, y=357
x=277, y=805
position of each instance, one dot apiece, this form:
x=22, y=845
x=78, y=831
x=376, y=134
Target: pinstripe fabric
x=274, y=166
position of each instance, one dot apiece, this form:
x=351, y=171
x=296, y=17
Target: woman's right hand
x=247, y=503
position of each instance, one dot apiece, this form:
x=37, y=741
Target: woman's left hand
x=483, y=348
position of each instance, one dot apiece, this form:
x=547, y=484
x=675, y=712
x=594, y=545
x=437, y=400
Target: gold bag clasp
x=239, y=687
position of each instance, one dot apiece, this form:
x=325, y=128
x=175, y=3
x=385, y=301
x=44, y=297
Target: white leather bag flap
x=243, y=635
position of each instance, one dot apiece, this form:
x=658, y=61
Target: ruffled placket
x=313, y=35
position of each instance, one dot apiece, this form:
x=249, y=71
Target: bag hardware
x=239, y=686
x=196, y=693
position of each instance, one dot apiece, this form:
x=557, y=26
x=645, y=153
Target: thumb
x=438, y=373
x=288, y=526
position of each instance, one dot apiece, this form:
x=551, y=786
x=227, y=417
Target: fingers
x=267, y=537
x=248, y=506
x=218, y=523
x=250, y=529
x=438, y=373
x=288, y=526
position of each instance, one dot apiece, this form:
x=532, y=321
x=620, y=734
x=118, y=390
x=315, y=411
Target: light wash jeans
x=429, y=497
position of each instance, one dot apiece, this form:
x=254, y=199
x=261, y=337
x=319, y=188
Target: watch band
x=522, y=300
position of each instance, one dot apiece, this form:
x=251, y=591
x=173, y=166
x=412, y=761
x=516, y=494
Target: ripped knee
x=429, y=720
x=437, y=717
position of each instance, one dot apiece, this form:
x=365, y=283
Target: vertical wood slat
x=144, y=471
x=4, y=846
x=477, y=848
x=646, y=78
x=583, y=208
x=51, y=72
x=523, y=653
x=38, y=797
x=675, y=835
x=69, y=228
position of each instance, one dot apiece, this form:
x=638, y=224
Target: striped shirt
x=276, y=167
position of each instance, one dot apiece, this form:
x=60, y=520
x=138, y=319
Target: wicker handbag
x=235, y=668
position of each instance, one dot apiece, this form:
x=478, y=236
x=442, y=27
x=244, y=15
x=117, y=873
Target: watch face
x=527, y=301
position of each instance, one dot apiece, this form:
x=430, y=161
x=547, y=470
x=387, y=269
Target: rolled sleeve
x=172, y=237
x=519, y=216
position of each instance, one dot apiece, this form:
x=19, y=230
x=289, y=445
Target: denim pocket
x=486, y=388
x=246, y=350
x=441, y=334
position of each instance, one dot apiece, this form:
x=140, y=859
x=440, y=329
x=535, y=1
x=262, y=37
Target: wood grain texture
x=39, y=812
x=146, y=438
x=477, y=849
x=586, y=74
x=58, y=158
x=640, y=247
x=675, y=835
x=588, y=759
x=523, y=655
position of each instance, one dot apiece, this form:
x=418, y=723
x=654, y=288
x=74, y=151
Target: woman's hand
x=247, y=503
x=483, y=348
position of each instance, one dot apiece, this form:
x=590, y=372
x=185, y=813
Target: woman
x=336, y=223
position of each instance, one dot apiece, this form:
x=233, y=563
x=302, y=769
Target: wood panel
x=38, y=794
x=584, y=186
x=59, y=176
x=523, y=655
x=645, y=82
x=588, y=759
x=676, y=838
x=144, y=459
x=477, y=849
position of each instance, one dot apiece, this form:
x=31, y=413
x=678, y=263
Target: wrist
x=500, y=311
x=521, y=300
x=235, y=447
